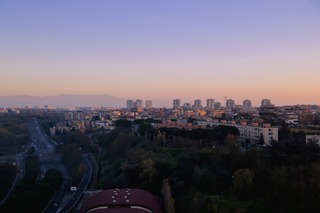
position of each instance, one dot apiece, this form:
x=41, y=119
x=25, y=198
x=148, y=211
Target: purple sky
x=162, y=50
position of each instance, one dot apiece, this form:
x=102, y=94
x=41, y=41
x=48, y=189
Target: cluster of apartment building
x=253, y=132
x=212, y=104
x=253, y=127
x=292, y=115
x=138, y=105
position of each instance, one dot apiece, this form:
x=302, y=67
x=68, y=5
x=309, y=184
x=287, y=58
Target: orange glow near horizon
x=162, y=51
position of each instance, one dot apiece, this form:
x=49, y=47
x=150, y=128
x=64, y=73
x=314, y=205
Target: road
x=48, y=158
x=64, y=199
x=82, y=186
x=19, y=160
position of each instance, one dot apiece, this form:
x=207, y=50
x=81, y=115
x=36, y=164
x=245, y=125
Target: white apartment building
x=130, y=104
x=210, y=104
x=254, y=132
x=230, y=104
x=247, y=104
x=266, y=102
x=148, y=104
x=217, y=105
x=197, y=104
x=139, y=103
x=176, y=103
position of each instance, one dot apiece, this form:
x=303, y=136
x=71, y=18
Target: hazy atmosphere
x=162, y=106
x=161, y=50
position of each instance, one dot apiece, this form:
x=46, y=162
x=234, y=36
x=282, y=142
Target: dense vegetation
x=33, y=194
x=202, y=170
x=200, y=178
x=32, y=172
x=74, y=144
x=33, y=197
x=14, y=135
x=71, y=146
x=50, y=120
x=7, y=175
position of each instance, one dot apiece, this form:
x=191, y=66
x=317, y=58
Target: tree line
x=200, y=178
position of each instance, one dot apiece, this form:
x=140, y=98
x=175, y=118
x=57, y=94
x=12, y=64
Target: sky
x=162, y=50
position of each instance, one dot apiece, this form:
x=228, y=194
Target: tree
x=167, y=197
x=231, y=143
x=222, y=131
x=161, y=138
x=149, y=172
x=146, y=129
x=53, y=177
x=280, y=177
x=261, y=140
x=122, y=123
x=243, y=178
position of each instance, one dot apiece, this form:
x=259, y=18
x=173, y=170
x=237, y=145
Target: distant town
x=254, y=123
x=84, y=159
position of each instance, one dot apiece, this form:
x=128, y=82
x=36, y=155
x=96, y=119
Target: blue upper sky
x=162, y=49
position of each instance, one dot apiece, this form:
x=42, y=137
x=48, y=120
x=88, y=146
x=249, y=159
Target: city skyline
x=161, y=51
x=105, y=100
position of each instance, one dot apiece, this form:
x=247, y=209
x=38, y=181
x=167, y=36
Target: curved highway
x=19, y=176
x=64, y=199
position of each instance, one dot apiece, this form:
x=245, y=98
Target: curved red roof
x=122, y=200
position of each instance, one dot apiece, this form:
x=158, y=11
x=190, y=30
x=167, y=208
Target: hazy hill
x=63, y=100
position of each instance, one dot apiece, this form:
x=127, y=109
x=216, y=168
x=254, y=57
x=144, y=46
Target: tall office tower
x=139, y=103
x=265, y=102
x=210, y=103
x=230, y=104
x=197, y=104
x=217, y=105
x=148, y=104
x=176, y=103
x=247, y=104
x=130, y=104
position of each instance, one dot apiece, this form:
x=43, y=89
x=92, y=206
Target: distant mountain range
x=63, y=100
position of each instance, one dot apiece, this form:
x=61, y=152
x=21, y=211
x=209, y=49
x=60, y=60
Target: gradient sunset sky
x=162, y=50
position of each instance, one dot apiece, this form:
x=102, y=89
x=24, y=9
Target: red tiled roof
x=122, y=200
